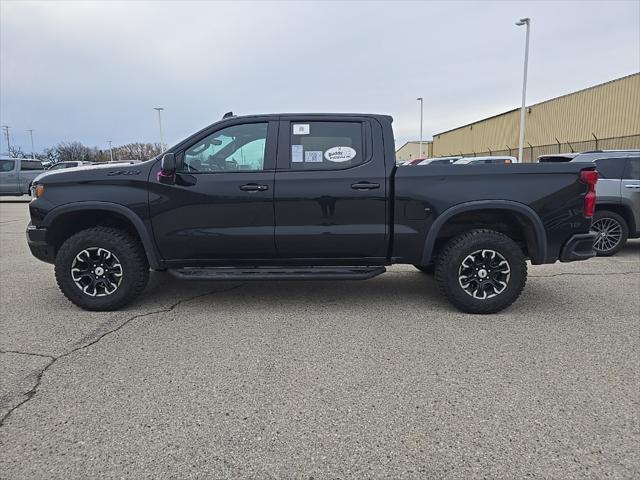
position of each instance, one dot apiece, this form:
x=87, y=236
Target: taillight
x=590, y=178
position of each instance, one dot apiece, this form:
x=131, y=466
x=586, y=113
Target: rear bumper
x=37, y=241
x=578, y=247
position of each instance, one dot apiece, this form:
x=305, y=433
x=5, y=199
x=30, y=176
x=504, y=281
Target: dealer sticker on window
x=296, y=153
x=313, y=156
x=340, y=154
x=301, y=129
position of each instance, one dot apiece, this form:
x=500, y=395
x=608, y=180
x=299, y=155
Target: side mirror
x=167, y=171
x=168, y=164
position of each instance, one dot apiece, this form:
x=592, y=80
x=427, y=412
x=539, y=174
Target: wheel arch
x=534, y=233
x=622, y=209
x=70, y=218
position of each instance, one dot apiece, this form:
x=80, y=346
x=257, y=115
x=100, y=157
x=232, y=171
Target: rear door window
x=326, y=145
x=632, y=171
x=31, y=165
x=7, y=165
x=611, y=168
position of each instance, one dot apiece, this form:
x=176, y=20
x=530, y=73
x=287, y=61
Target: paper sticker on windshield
x=340, y=154
x=301, y=129
x=313, y=156
x=296, y=153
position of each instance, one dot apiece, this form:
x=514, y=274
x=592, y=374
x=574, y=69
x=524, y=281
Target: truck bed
x=426, y=196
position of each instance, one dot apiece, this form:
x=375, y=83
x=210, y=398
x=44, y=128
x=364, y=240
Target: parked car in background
x=16, y=175
x=415, y=161
x=486, y=161
x=117, y=162
x=439, y=161
x=63, y=165
x=557, y=158
x=617, y=215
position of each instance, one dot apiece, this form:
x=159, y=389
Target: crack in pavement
x=585, y=274
x=31, y=393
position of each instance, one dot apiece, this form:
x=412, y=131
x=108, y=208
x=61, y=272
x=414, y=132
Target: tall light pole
x=33, y=154
x=110, y=149
x=521, y=22
x=160, y=109
x=6, y=132
x=421, y=113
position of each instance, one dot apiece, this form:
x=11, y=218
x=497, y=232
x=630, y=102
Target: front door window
x=236, y=148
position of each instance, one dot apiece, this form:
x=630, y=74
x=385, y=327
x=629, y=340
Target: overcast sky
x=93, y=71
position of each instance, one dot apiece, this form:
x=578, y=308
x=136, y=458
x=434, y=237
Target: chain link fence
x=532, y=152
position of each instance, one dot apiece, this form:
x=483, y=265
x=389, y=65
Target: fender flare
x=136, y=221
x=521, y=208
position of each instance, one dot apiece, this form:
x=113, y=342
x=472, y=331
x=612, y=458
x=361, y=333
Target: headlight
x=37, y=190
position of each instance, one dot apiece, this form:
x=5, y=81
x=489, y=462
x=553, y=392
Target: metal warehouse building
x=411, y=151
x=605, y=116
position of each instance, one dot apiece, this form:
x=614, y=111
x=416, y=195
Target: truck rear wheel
x=481, y=271
x=101, y=268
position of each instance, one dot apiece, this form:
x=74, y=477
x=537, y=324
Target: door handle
x=633, y=185
x=365, y=186
x=254, y=187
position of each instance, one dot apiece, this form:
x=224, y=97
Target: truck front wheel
x=481, y=271
x=101, y=268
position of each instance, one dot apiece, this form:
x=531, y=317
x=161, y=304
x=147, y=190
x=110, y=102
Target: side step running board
x=277, y=273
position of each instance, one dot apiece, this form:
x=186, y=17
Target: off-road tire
x=131, y=256
x=428, y=269
x=624, y=232
x=449, y=262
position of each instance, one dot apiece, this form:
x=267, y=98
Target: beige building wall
x=411, y=151
x=608, y=110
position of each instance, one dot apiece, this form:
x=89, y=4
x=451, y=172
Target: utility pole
x=33, y=152
x=110, y=149
x=521, y=22
x=421, y=114
x=6, y=132
x=160, y=109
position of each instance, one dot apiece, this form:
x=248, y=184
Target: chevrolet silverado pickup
x=307, y=197
x=17, y=174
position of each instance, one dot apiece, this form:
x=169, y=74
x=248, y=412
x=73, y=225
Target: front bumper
x=37, y=241
x=578, y=247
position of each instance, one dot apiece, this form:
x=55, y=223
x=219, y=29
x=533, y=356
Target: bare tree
x=16, y=152
x=137, y=151
x=77, y=151
x=102, y=156
x=74, y=151
x=49, y=155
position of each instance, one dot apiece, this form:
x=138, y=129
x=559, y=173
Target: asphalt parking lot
x=373, y=379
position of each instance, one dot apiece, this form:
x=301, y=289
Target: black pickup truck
x=305, y=197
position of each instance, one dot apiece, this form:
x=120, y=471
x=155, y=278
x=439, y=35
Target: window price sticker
x=301, y=129
x=313, y=156
x=296, y=153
